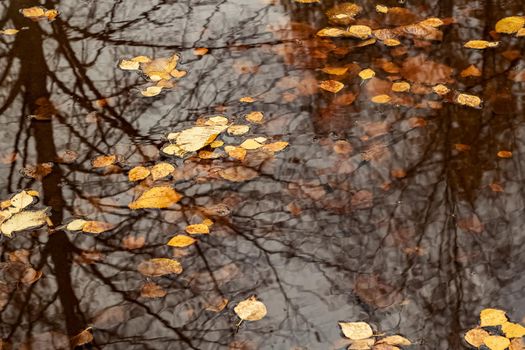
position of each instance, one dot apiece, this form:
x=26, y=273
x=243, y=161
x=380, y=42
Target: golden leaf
x=480, y=44
x=200, y=51
x=9, y=31
x=476, y=336
x=160, y=170
x=360, y=31
x=381, y=99
x=496, y=342
x=513, y=330
x=216, y=144
x=441, y=89
x=141, y=59
x=255, y=117
x=251, y=144
x=198, y=229
x=205, y=154
x=160, y=68
x=510, y=25
x=96, y=227
x=76, y=225
x=468, y=100
x=193, y=139
x=104, y=161
x=370, y=41
x=181, y=241
x=331, y=32
x=335, y=70
x=138, y=173
x=504, y=154
x=275, y=146
x=51, y=14
x=217, y=120
x=333, y=86
x=492, y=317
x=129, y=65
x=159, y=267
x=367, y=74
x=391, y=42
x=470, y=71
x=400, y=86
x=21, y=200
x=33, y=12
x=381, y=9
x=517, y=344
x=433, y=22
x=237, y=130
x=24, y=220
x=307, y=1
x=521, y=32
x=247, y=99
x=178, y=73
x=156, y=197
x=394, y=340
x=364, y=344
x=356, y=330
x=250, y=309
x=151, y=91
x=238, y=153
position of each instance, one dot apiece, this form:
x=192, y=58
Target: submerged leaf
x=159, y=267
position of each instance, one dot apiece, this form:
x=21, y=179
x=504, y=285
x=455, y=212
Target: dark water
x=401, y=230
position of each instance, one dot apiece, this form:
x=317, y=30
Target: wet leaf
x=470, y=71
x=132, y=242
x=238, y=130
x=23, y=221
x=152, y=290
x=247, y=99
x=159, y=267
x=504, y=154
x=193, y=139
x=160, y=170
x=238, y=174
x=250, y=309
x=476, y=336
x=335, y=70
x=356, y=330
x=30, y=276
x=381, y=9
x=129, y=65
x=76, y=225
x=441, y=89
x=367, y=74
x=496, y=342
x=360, y=31
x=37, y=13
x=344, y=13
x=275, y=146
x=138, y=173
x=96, y=227
x=401, y=86
x=513, y=330
x=104, y=161
x=333, y=86
x=181, y=241
x=517, y=344
x=200, y=51
x=251, y=144
x=151, y=91
x=255, y=117
x=238, y=153
x=197, y=229
x=22, y=200
x=362, y=344
x=156, y=197
x=218, y=306
x=480, y=44
x=82, y=338
x=38, y=171
x=492, y=317
x=380, y=99
x=510, y=25
x=468, y=100
x=9, y=31
x=383, y=346
x=160, y=68
x=394, y=340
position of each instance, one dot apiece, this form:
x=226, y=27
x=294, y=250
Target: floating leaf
x=476, y=336
x=250, y=309
x=238, y=174
x=76, y=225
x=247, y=99
x=275, y=146
x=217, y=120
x=129, y=65
x=381, y=9
x=391, y=42
x=37, y=12
x=160, y=68
x=492, y=317
x=82, y=338
x=22, y=200
x=333, y=86
x=496, y=342
x=251, y=144
x=151, y=91
x=381, y=99
x=441, y=89
x=38, y=171
x=104, y=161
x=156, y=197
x=468, y=100
x=395, y=340
x=480, y=44
x=401, y=86
x=504, y=154
x=181, y=241
x=238, y=153
x=200, y=51
x=513, y=330
x=24, y=220
x=238, y=130
x=193, y=139
x=344, y=13
x=30, y=276
x=356, y=330
x=510, y=25
x=160, y=170
x=198, y=229
x=138, y=173
x=360, y=31
x=96, y=227
x=363, y=344
x=331, y=32
x=159, y=267
x=255, y=117
x=9, y=31
x=367, y=74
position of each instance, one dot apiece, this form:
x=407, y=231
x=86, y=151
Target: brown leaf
x=152, y=290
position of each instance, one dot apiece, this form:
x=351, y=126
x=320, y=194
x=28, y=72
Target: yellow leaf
x=391, y=42
x=156, y=197
x=521, y=32
x=181, y=241
x=441, y=89
x=216, y=144
x=492, y=317
x=476, y=336
x=51, y=14
x=9, y=31
x=33, y=12
x=433, y=22
x=356, y=330
x=331, y=32
x=76, y=225
x=198, y=229
x=159, y=267
x=335, y=70
x=504, y=154
x=360, y=31
x=275, y=146
x=20, y=201
x=401, y=86
x=237, y=130
x=513, y=330
x=395, y=340
x=307, y=1
x=480, y=44
x=250, y=310
x=160, y=170
x=255, y=117
x=238, y=153
x=251, y=144
x=200, y=51
x=333, y=86
x=160, y=68
x=510, y=25
x=138, y=173
x=496, y=342
x=151, y=91
x=217, y=120
x=104, y=161
x=247, y=99
x=129, y=65
x=24, y=220
x=468, y=100
x=381, y=9
x=381, y=99
x=367, y=74
x=141, y=59
x=366, y=344
x=370, y=41
x=193, y=139
x=96, y=227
